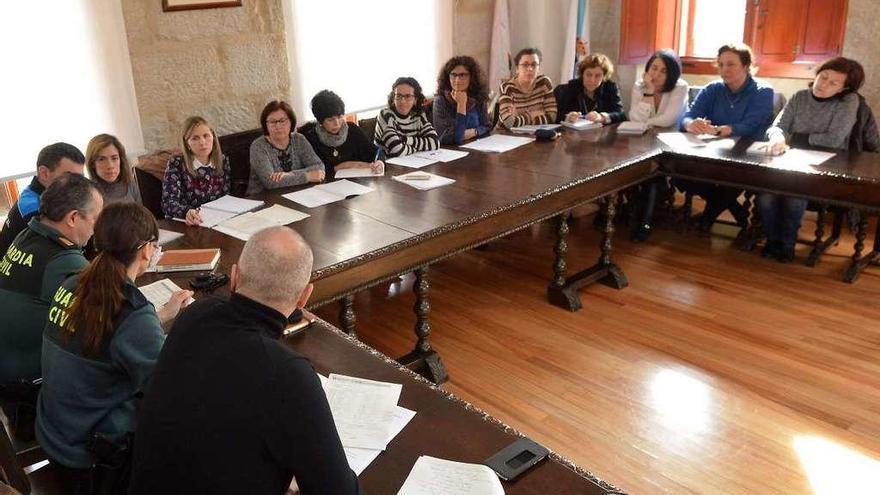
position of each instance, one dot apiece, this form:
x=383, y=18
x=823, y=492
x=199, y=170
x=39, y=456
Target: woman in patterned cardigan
x=199, y=175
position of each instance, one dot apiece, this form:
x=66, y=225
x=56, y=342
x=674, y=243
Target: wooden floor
x=715, y=371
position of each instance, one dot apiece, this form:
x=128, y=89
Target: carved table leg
x=423, y=359
x=347, y=317
x=751, y=235
x=604, y=271
x=555, y=291
x=858, y=262
x=818, y=244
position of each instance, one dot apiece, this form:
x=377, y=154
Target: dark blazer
x=570, y=97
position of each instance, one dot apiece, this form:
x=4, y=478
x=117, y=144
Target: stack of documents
x=244, y=226
x=431, y=475
x=423, y=158
x=423, y=180
x=327, y=193
x=497, y=143
x=367, y=416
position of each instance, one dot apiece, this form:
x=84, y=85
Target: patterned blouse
x=182, y=192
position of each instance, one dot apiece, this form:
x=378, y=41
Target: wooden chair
x=13, y=460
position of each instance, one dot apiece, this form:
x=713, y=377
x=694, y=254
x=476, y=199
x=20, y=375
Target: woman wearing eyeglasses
x=459, y=109
x=402, y=128
x=100, y=345
x=527, y=98
x=281, y=157
x=338, y=144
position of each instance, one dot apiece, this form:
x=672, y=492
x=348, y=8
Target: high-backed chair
x=151, y=191
x=237, y=148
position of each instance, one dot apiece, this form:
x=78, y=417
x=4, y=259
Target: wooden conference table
x=396, y=229
x=443, y=426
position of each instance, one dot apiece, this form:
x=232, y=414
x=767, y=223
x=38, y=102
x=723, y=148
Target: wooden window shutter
x=646, y=26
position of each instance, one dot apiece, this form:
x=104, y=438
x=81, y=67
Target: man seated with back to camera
x=231, y=409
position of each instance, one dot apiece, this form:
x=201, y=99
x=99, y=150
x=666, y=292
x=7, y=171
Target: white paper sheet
x=244, y=226
x=680, y=140
x=792, y=158
x=312, y=197
x=160, y=291
x=424, y=184
x=363, y=410
x=166, y=236
x=281, y=215
x=497, y=143
x=442, y=154
x=345, y=188
x=350, y=173
x=412, y=161
x=233, y=204
x=212, y=217
x=432, y=476
x=359, y=459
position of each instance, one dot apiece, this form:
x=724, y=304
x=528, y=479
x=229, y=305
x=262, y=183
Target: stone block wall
x=223, y=64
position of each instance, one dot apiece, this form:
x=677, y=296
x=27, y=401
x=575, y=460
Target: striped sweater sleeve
x=404, y=136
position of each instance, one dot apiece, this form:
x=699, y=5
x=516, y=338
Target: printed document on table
x=244, y=226
x=160, y=291
x=363, y=410
x=281, y=215
x=166, y=236
x=350, y=173
x=530, y=129
x=359, y=459
x=497, y=143
x=431, y=476
x=423, y=183
x=680, y=140
x=233, y=204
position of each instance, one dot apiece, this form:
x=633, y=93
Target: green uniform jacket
x=31, y=270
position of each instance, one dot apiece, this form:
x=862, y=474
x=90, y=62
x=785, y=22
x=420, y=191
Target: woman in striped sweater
x=402, y=128
x=527, y=98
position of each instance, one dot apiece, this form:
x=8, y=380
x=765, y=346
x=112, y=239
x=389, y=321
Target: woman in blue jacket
x=737, y=105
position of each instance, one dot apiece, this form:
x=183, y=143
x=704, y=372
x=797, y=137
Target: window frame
x=802, y=67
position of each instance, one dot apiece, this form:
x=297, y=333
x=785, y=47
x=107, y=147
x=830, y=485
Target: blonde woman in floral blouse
x=199, y=175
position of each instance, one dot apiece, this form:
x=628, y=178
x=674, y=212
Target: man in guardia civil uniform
x=31, y=270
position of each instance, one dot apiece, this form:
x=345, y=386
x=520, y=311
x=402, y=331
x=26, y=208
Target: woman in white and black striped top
x=402, y=128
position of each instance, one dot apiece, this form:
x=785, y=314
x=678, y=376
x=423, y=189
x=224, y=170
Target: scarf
x=332, y=140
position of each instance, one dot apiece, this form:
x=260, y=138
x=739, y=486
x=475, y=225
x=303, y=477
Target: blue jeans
x=781, y=217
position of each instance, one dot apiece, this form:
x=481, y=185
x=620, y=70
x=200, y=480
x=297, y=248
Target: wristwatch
x=647, y=94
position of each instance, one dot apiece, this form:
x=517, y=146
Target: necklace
x=733, y=101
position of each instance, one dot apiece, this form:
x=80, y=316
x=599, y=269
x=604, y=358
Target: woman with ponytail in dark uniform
x=100, y=345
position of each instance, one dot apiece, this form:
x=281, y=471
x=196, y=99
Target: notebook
x=530, y=129
x=185, y=260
